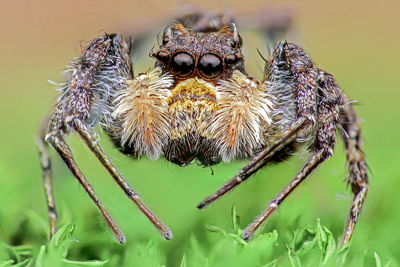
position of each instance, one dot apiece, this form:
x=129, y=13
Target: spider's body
x=193, y=115
x=198, y=103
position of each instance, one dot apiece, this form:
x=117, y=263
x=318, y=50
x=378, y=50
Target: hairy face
x=210, y=56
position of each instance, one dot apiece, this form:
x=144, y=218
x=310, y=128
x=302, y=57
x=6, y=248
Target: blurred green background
x=357, y=41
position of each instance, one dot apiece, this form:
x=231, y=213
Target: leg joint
x=273, y=204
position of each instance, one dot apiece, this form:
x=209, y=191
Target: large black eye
x=182, y=64
x=210, y=66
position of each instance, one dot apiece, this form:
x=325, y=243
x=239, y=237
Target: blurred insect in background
x=198, y=103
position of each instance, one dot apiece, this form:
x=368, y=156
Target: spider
x=198, y=103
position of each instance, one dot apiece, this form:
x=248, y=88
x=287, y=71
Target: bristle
x=143, y=109
x=243, y=108
x=192, y=105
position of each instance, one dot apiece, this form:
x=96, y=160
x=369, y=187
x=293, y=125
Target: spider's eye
x=162, y=55
x=165, y=40
x=230, y=59
x=210, y=66
x=182, y=64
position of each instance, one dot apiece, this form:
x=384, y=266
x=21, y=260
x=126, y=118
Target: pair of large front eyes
x=209, y=65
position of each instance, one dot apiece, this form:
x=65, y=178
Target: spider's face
x=208, y=56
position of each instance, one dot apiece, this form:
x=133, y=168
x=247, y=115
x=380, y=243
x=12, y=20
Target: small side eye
x=165, y=40
x=163, y=56
x=182, y=64
x=230, y=59
x=210, y=66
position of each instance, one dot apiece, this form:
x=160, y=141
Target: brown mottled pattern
x=95, y=79
x=85, y=84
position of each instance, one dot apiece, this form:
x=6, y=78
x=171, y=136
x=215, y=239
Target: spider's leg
x=258, y=161
x=64, y=151
x=273, y=22
x=45, y=164
x=201, y=21
x=358, y=176
x=294, y=92
x=81, y=96
x=329, y=100
x=313, y=163
x=94, y=81
x=94, y=146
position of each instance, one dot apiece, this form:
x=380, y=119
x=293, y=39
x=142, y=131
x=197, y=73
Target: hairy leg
x=94, y=146
x=64, y=151
x=301, y=85
x=316, y=159
x=292, y=78
x=273, y=22
x=258, y=161
x=328, y=104
x=45, y=164
x=94, y=81
x=358, y=176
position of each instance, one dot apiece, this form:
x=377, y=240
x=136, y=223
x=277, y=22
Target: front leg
x=95, y=79
x=287, y=88
x=94, y=146
x=259, y=161
x=307, y=109
x=319, y=99
x=357, y=166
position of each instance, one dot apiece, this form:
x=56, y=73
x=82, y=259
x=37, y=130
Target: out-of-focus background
x=357, y=41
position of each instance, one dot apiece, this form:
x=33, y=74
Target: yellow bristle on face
x=192, y=89
x=192, y=104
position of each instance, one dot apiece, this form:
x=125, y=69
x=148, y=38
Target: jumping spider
x=199, y=103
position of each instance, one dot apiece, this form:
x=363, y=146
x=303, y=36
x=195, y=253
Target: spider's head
x=208, y=56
